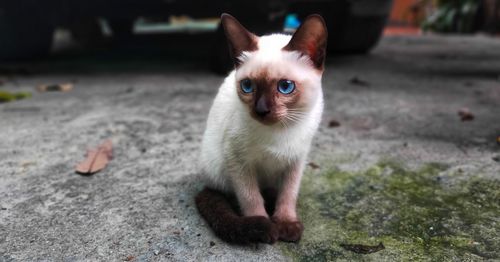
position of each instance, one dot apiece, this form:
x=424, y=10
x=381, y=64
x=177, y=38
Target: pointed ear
x=310, y=39
x=238, y=38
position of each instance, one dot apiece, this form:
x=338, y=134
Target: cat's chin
x=274, y=123
x=267, y=121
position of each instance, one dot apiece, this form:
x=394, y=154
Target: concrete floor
x=403, y=106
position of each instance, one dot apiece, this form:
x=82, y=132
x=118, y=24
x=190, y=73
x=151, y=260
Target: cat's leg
x=247, y=191
x=255, y=221
x=285, y=215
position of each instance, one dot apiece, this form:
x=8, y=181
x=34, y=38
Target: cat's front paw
x=289, y=231
x=259, y=229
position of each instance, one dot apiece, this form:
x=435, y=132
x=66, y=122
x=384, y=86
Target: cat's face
x=278, y=77
x=280, y=91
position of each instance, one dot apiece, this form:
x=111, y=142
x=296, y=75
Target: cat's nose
x=262, y=113
x=261, y=108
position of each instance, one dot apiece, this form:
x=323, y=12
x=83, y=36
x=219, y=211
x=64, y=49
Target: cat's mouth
x=267, y=119
x=275, y=119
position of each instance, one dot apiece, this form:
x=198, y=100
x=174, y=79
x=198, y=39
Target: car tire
x=347, y=32
x=88, y=33
x=122, y=29
x=221, y=62
x=24, y=37
x=359, y=34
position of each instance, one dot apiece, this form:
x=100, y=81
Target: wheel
x=122, y=28
x=360, y=34
x=347, y=32
x=88, y=33
x=23, y=37
x=221, y=62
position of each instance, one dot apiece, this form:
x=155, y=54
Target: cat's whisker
x=283, y=124
x=295, y=110
x=290, y=118
x=296, y=113
x=295, y=117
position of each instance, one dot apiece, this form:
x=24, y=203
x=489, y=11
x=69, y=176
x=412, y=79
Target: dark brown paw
x=290, y=231
x=259, y=229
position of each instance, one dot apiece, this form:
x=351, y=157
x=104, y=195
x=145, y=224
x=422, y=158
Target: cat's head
x=278, y=77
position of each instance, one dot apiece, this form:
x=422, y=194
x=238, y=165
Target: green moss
x=9, y=97
x=422, y=214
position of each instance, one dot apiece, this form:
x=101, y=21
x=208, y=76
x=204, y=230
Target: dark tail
x=216, y=209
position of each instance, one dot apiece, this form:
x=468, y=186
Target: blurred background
x=159, y=30
x=412, y=82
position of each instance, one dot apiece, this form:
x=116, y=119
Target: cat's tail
x=216, y=209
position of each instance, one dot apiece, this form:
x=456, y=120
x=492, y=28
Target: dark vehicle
x=27, y=26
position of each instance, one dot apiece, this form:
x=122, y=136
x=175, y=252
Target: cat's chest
x=276, y=150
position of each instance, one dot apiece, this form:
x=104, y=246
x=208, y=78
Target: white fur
x=233, y=141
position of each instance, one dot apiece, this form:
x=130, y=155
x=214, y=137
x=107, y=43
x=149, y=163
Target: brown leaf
x=359, y=82
x=465, y=114
x=55, y=87
x=96, y=159
x=313, y=165
x=129, y=258
x=363, y=249
x=333, y=123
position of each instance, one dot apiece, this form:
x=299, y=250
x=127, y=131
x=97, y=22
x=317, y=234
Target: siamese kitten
x=259, y=132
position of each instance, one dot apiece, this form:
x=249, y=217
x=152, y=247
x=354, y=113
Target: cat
x=259, y=132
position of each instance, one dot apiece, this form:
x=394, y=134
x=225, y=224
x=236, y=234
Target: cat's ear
x=238, y=37
x=310, y=39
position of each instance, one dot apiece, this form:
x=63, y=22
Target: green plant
x=9, y=97
x=452, y=16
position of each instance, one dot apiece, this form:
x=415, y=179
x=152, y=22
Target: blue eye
x=286, y=86
x=246, y=85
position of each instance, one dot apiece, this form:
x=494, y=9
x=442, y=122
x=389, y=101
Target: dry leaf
x=333, y=123
x=129, y=258
x=96, y=159
x=359, y=82
x=363, y=249
x=313, y=165
x=465, y=114
x=56, y=87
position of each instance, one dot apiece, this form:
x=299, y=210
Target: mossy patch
x=9, y=97
x=419, y=215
